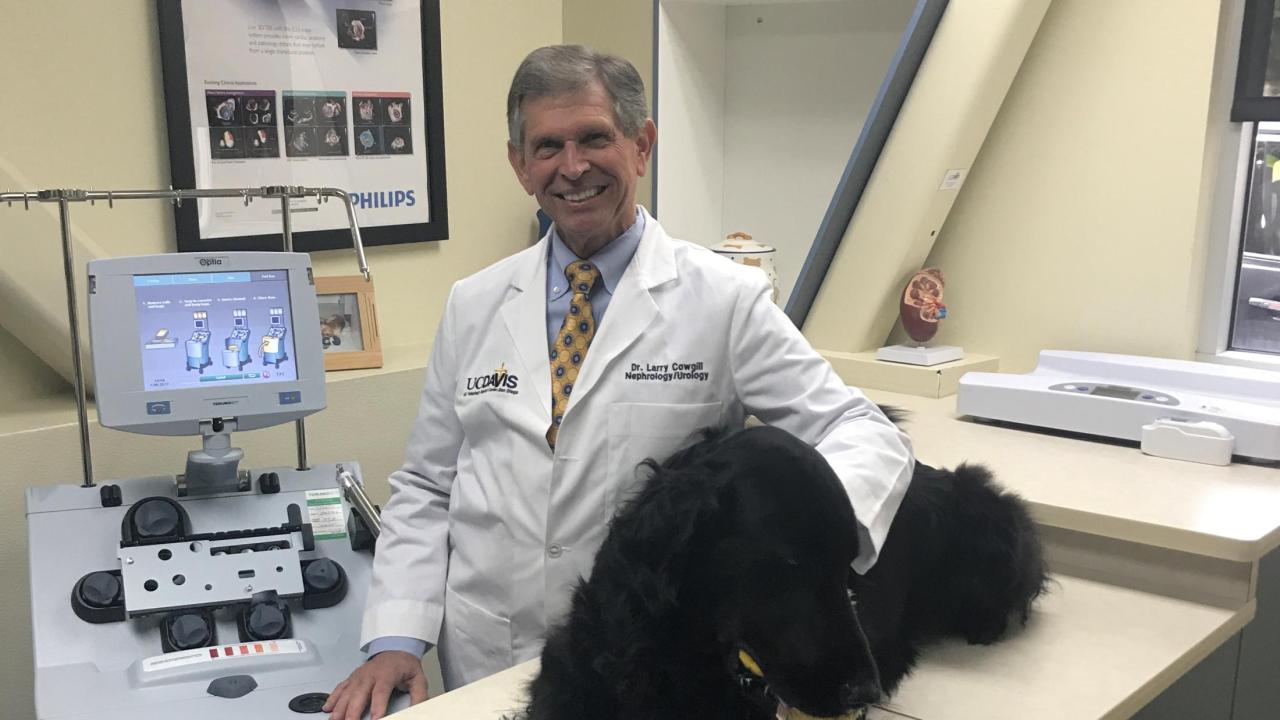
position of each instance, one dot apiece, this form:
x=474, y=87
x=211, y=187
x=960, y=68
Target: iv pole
x=64, y=198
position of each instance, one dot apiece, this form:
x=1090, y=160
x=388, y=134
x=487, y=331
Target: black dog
x=743, y=543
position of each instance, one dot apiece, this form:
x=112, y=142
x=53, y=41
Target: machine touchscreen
x=236, y=327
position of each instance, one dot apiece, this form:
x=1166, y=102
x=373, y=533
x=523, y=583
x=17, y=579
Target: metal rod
x=287, y=223
x=355, y=495
x=73, y=315
x=266, y=191
x=300, y=428
x=356, y=242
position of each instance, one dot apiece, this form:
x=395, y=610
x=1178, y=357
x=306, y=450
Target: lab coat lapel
x=632, y=308
x=525, y=314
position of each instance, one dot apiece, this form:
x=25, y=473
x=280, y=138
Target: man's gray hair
x=560, y=69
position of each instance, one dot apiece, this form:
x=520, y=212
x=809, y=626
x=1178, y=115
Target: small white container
x=740, y=248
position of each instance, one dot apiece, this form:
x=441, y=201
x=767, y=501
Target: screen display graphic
x=214, y=329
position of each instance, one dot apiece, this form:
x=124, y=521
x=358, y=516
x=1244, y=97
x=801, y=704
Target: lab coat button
x=555, y=550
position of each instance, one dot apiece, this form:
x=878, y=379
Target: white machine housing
x=1117, y=395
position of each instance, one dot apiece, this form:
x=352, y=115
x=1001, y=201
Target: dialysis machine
x=235, y=350
x=223, y=591
x=273, y=352
x=198, y=345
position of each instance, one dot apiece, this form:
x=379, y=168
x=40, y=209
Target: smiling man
x=581, y=162
x=556, y=371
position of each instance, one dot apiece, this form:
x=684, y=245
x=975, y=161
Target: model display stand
x=921, y=310
x=866, y=370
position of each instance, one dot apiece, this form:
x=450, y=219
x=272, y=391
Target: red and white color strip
x=222, y=653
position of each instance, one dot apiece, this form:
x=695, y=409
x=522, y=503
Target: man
x=556, y=371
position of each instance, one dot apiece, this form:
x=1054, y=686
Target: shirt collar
x=612, y=259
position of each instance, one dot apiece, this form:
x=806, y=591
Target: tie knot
x=582, y=275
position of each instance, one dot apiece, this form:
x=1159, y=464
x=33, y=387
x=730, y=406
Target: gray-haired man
x=556, y=371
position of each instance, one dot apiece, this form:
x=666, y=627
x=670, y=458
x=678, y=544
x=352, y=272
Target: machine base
x=114, y=666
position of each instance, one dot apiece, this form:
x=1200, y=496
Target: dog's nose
x=855, y=695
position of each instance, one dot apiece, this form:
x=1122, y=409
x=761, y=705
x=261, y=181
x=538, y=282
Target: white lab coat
x=487, y=531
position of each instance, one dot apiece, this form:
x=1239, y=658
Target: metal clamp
x=360, y=504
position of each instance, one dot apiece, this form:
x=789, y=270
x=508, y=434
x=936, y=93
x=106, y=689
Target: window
x=1252, y=280
x=1255, y=324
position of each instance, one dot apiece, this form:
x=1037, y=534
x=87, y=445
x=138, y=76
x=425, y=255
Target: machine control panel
x=1120, y=392
x=179, y=592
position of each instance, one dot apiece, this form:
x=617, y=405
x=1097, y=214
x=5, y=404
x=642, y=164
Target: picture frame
x=348, y=319
x=333, y=93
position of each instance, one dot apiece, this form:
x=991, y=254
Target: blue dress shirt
x=612, y=260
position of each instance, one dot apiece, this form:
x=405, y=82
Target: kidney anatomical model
x=922, y=305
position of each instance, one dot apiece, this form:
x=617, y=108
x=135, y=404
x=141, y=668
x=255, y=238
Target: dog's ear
x=659, y=525
x=895, y=414
x=652, y=539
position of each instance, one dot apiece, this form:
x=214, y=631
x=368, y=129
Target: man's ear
x=516, y=158
x=645, y=140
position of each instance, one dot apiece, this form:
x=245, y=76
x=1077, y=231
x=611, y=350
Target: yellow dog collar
x=786, y=713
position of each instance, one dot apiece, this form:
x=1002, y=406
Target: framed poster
x=317, y=93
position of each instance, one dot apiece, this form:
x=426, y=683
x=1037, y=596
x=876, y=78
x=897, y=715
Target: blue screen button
x=158, y=408
x=292, y=397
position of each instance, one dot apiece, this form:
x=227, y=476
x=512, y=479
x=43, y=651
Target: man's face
x=580, y=166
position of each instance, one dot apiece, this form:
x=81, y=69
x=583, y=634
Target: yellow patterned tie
x=572, y=341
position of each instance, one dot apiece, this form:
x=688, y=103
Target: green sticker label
x=326, y=514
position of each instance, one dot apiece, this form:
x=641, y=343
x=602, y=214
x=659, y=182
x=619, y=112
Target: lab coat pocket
x=642, y=431
x=474, y=643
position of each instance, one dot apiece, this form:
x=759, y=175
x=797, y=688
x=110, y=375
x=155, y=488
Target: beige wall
x=23, y=376
x=1080, y=224
x=623, y=28
x=60, y=61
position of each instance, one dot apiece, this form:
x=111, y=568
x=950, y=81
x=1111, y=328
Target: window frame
x=1235, y=134
x=1226, y=235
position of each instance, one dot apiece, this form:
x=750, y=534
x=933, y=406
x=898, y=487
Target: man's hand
x=371, y=685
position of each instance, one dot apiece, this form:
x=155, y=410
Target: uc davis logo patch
x=499, y=380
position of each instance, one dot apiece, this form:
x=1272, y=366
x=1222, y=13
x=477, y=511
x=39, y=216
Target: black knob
x=358, y=533
x=309, y=703
x=269, y=483
x=156, y=518
x=110, y=495
x=100, y=589
x=266, y=622
x=322, y=575
x=188, y=631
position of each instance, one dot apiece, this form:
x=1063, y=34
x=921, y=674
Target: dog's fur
x=744, y=542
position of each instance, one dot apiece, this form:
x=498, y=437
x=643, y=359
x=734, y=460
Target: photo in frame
x=348, y=323
x=323, y=93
